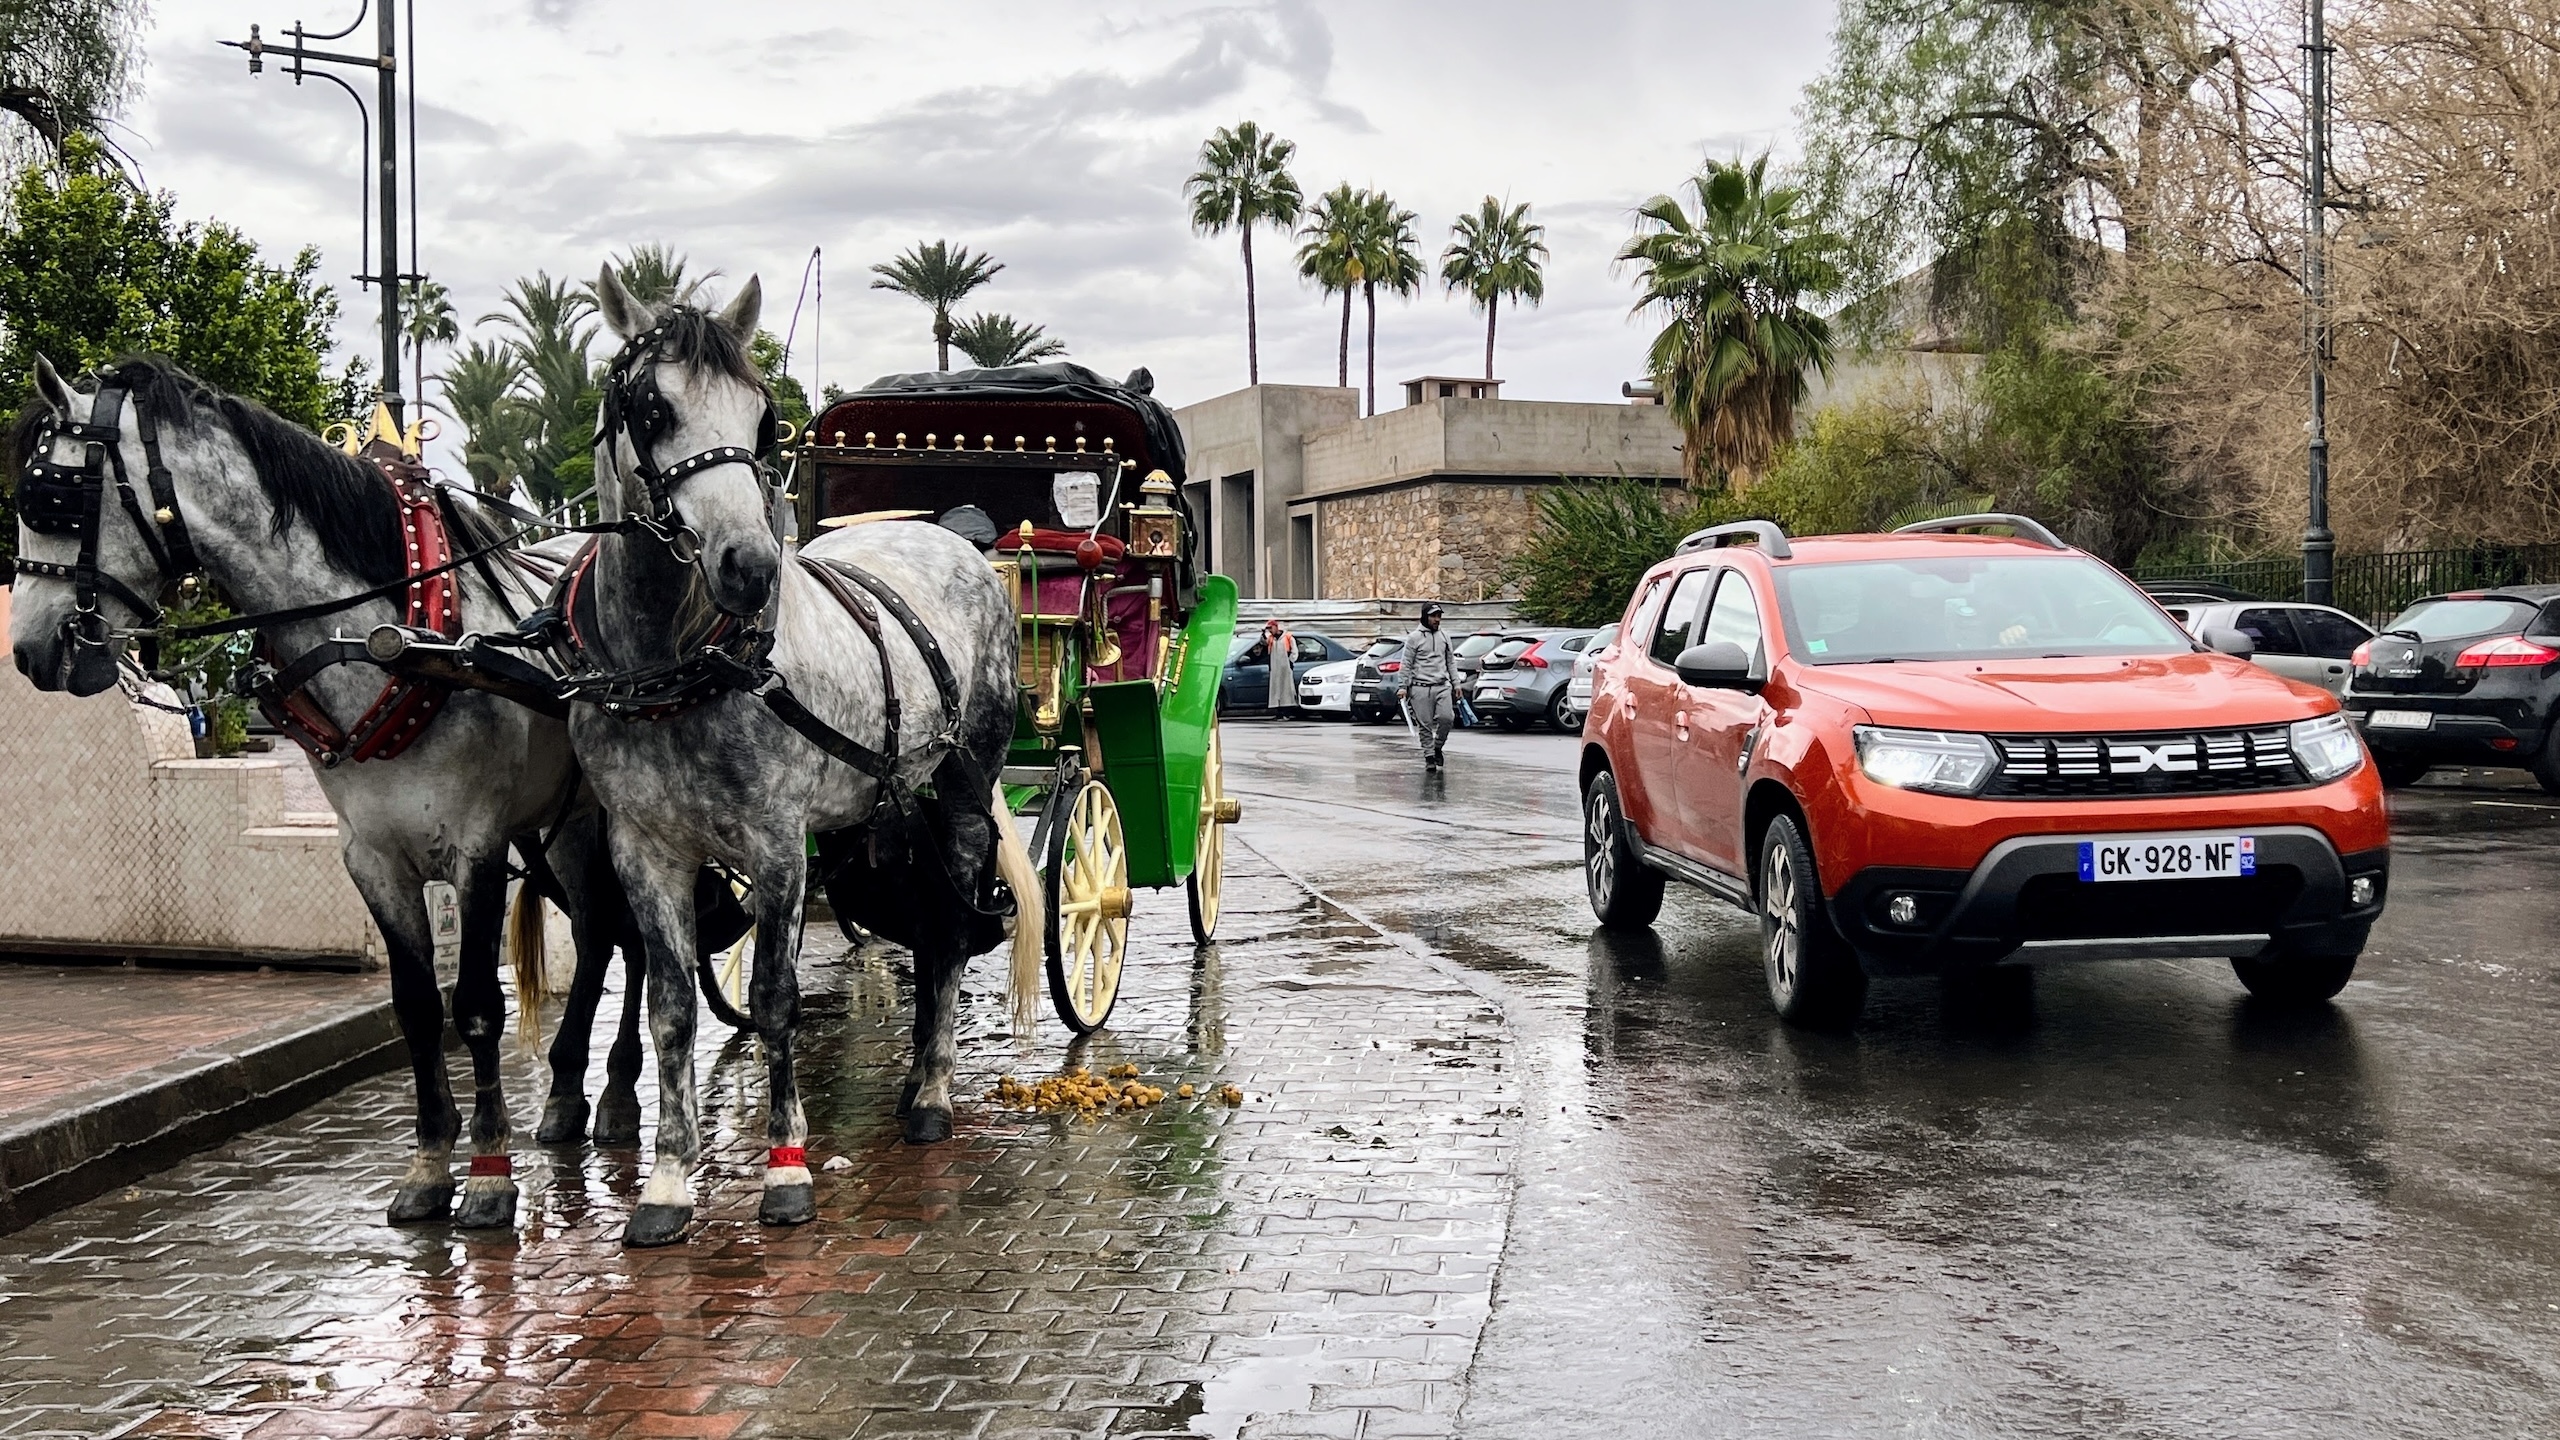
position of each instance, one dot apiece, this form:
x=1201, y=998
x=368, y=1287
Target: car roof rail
x=1763, y=533
x=2028, y=530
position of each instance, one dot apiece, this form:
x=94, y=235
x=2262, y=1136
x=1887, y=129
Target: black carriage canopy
x=1024, y=408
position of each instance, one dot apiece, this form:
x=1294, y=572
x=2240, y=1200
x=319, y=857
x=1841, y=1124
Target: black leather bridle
x=636, y=407
x=59, y=499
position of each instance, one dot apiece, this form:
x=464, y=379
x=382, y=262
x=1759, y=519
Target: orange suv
x=1937, y=751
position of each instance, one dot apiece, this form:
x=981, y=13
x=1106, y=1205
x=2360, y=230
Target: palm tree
x=991, y=341
x=426, y=316
x=941, y=275
x=1244, y=181
x=1387, y=258
x=1733, y=280
x=480, y=393
x=1493, y=253
x=553, y=333
x=654, y=275
x=1329, y=256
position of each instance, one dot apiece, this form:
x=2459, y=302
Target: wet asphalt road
x=2137, y=1206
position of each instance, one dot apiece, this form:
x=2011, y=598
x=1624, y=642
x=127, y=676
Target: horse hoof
x=490, y=1209
x=618, y=1122
x=789, y=1204
x=653, y=1225
x=421, y=1204
x=928, y=1125
x=906, y=1098
x=564, y=1120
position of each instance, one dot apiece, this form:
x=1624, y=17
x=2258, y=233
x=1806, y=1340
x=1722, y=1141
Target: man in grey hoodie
x=1430, y=685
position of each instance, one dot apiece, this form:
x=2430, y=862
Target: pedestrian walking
x=1283, y=650
x=1430, y=689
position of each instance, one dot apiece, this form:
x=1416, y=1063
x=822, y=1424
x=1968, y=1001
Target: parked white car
x=2310, y=643
x=1577, y=691
x=1325, y=690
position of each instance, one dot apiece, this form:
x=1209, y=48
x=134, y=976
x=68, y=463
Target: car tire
x=1561, y=715
x=2546, y=761
x=1814, y=977
x=2281, y=975
x=1625, y=892
x=2399, y=774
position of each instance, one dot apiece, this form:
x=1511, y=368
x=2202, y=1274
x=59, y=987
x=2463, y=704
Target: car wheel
x=2281, y=975
x=2546, y=761
x=1626, y=893
x=2398, y=774
x=1813, y=975
x=1562, y=716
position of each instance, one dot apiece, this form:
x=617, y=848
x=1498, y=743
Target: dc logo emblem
x=2169, y=756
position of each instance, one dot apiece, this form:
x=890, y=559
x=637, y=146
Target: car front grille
x=2159, y=762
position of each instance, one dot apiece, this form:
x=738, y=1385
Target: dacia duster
x=1937, y=751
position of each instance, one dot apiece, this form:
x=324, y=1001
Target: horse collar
x=401, y=712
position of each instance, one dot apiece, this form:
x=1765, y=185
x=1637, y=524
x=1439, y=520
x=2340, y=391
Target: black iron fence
x=2376, y=586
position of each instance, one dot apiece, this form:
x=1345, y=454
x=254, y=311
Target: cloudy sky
x=1054, y=136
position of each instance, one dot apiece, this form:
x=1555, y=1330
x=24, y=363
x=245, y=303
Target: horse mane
x=695, y=338
x=306, y=479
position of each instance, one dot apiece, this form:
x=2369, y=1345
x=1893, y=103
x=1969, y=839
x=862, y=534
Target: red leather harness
x=400, y=714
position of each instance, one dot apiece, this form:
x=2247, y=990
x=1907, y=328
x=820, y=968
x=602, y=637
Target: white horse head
x=687, y=396
x=217, y=499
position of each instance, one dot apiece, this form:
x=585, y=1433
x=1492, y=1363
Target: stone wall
x=1436, y=539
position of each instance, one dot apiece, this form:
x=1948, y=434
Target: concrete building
x=1304, y=499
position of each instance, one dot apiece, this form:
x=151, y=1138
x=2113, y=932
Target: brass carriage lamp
x=1155, y=522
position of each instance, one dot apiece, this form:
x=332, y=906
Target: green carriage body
x=1124, y=639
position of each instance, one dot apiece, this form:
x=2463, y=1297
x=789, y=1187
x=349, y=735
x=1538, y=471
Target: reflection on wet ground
x=1315, y=1261
x=2126, y=1202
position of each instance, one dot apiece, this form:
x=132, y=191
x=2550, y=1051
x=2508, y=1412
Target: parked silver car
x=2310, y=643
x=1577, y=691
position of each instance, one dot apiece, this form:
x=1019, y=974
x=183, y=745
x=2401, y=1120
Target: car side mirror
x=2229, y=642
x=1716, y=665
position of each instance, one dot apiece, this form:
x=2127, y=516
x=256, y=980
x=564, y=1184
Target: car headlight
x=2327, y=746
x=1933, y=760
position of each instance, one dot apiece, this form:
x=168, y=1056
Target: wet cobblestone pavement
x=1317, y=1261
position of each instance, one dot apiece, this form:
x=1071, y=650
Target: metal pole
x=389, y=108
x=2319, y=546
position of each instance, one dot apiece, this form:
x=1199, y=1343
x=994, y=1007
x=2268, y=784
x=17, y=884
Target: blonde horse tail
x=525, y=956
x=1013, y=864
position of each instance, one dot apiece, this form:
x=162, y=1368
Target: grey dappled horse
x=280, y=519
x=723, y=779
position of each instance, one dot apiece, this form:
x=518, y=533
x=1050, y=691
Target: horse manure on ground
x=1079, y=1090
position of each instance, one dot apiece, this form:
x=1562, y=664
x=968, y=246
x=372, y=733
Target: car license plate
x=2168, y=857
x=2402, y=720
x=1361, y=696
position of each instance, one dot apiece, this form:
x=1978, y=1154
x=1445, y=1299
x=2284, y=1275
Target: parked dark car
x=1246, y=685
x=2471, y=678
x=1377, y=681
x=1523, y=678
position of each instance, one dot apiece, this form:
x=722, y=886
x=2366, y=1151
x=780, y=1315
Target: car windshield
x=2462, y=619
x=1508, y=650
x=1968, y=608
x=1382, y=647
x=1475, y=645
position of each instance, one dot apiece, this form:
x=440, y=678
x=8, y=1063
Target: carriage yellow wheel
x=1088, y=894
x=1209, y=852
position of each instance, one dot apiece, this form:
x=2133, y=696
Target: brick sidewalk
x=1317, y=1262
x=107, y=1071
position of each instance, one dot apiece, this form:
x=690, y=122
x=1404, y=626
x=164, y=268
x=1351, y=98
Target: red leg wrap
x=492, y=1165
x=786, y=1156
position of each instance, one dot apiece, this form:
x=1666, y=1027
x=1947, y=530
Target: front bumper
x=2026, y=902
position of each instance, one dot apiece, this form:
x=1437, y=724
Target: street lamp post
x=2319, y=546
x=385, y=65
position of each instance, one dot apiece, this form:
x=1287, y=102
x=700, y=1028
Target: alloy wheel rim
x=1603, y=859
x=1778, y=906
